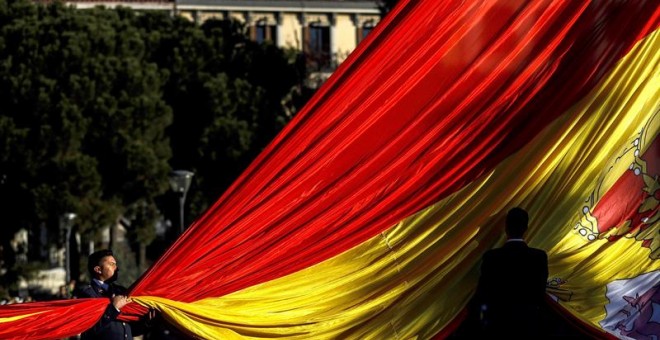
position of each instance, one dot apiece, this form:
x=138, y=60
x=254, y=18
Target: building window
x=261, y=32
x=319, y=39
x=364, y=30
x=317, y=45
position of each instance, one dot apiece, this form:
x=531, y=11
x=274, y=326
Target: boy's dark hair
x=516, y=222
x=95, y=259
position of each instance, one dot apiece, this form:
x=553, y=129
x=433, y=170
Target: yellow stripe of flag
x=413, y=279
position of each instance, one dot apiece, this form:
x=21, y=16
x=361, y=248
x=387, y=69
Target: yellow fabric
x=14, y=318
x=412, y=280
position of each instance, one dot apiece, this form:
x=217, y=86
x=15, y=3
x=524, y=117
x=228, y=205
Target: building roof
x=336, y=6
x=330, y=6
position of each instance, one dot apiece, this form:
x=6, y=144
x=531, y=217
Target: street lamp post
x=67, y=220
x=180, y=183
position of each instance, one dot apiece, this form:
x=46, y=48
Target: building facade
x=325, y=31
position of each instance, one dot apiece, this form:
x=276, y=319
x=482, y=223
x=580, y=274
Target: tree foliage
x=385, y=6
x=226, y=92
x=97, y=106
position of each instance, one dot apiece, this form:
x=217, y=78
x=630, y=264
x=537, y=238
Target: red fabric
x=437, y=95
x=56, y=319
x=620, y=206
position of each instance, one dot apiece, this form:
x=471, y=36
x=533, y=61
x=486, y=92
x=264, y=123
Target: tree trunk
x=142, y=260
x=113, y=234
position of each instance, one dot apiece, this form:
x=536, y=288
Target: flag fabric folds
x=367, y=216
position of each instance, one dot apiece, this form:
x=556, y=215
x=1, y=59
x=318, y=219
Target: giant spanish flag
x=368, y=215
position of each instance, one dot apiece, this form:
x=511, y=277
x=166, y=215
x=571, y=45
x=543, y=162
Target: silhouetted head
x=103, y=266
x=516, y=223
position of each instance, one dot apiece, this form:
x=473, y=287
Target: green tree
x=386, y=6
x=98, y=105
x=226, y=93
x=82, y=118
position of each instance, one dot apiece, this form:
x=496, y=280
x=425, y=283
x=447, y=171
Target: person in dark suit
x=511, y=290
x=102, y=267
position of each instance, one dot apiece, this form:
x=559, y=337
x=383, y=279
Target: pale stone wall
x=346, y=36
x=46, y=281
x=291, y=32
x=344, y=26
x=263, y=17
x=345, y=20
x=206, y=15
